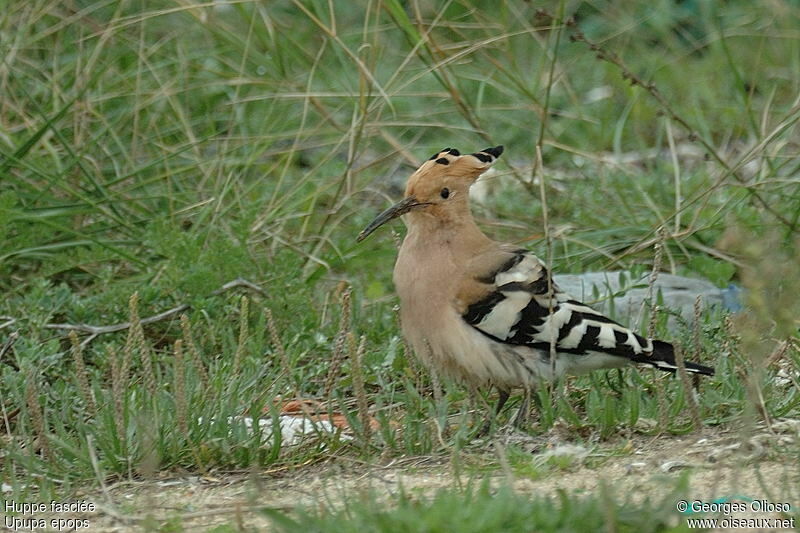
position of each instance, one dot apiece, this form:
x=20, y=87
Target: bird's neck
x=460, y=236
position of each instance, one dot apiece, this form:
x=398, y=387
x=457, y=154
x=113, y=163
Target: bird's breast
x=427, y=284
x=424, y=279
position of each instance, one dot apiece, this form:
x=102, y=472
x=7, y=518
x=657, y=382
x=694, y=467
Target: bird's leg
x=438, y=393
x=524, y=409
x=501, y=401
x=503, y=396
x=477, y=400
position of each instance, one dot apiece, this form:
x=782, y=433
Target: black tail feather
x=663, y=358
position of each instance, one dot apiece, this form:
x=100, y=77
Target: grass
x=150, y=155
x=481, y=509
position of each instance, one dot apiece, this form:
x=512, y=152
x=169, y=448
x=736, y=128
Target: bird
x=487, y=313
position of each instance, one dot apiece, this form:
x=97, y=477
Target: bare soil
x=719, y=463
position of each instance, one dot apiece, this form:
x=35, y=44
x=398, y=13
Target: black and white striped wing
x=524, y=307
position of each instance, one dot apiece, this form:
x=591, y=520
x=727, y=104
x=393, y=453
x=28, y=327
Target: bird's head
x=440, y=187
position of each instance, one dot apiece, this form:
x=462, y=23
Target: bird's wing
x=511, y=298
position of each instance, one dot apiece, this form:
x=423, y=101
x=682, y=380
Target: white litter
x=294, y=429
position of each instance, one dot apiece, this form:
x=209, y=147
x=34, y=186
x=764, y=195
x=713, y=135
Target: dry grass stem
x=8, y=344
x=181, y=405
x=36, y=413
x=194, y=353
x=132, y=341
x=410, y=358
x=244, y=331
x=138, y=341
x=688, y=390
x=777, y=354
x=81, y=375
x=283, y=358
x=118, y=387
x=339, y=345
x=651, y=283
x=362, y=403
x=663, y=415
x=146, y=355
x=697, y=328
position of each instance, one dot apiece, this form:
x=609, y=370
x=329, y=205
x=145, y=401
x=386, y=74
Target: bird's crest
x=452, y=164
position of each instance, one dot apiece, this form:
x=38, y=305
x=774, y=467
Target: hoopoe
x=488, y=313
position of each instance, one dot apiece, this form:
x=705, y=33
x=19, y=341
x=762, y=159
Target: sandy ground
x=719, y=463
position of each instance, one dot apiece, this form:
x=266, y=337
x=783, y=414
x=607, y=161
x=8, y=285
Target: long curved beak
x=400, y=208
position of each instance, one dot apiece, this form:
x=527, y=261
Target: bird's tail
x=663, y=358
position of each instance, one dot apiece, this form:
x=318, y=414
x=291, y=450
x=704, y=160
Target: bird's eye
x=445, y=192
